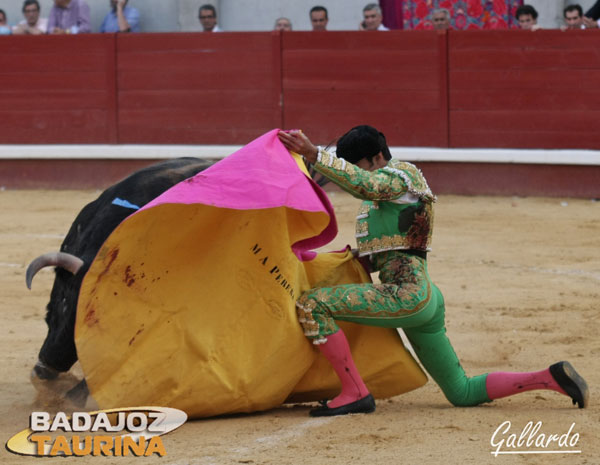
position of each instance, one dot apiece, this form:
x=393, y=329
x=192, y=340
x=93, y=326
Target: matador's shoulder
x=414, y=178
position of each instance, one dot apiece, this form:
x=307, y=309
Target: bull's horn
x=61, y=259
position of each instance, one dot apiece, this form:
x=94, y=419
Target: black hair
x=573, y=8
x=208, y=7
x=526, y=10
x=318, y=8
x=3, y=14
x=26, y=3
x=362, y=142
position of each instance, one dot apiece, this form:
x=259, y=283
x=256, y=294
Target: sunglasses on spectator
x=30, y=10
x=207, y=17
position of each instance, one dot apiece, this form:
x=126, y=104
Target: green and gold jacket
x=397, y=212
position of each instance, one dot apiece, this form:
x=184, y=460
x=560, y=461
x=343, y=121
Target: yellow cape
x=193, y=307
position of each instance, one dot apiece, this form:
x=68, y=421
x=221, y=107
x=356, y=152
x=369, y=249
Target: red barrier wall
x=443, y=177
x=522, y=179
x=461, y=89
x=90, y=173
x=524, y=90
x=198, y=88
x=58, y=89
x=394, y=81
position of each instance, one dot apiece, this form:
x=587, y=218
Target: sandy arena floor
x=521, y=280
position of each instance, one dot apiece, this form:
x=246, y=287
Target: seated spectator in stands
x=592, y=17
x=527, y=17
x=283, y=24
x=441, y=19
x=372, y=18
x=208, y=19
x=32, y=24
x=573, y=16
x=4, y=28
x=69, y=17
x=121, y=18
x=319, y=18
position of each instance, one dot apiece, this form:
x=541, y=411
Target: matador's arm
x=382, y=184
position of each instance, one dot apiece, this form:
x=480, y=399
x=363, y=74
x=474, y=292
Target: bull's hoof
x=43, y=371
x=78, y=395
x=52, y=385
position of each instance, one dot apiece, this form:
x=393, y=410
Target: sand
x=521, y=280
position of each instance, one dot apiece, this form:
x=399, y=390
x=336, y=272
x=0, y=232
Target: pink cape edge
x=260, y=175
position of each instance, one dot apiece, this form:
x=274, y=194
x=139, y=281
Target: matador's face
x=377, y=162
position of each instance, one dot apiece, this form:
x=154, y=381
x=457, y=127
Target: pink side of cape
x=260, y=175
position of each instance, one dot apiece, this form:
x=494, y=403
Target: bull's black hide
x=88, y=232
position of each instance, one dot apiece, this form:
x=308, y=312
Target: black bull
x=91, y=228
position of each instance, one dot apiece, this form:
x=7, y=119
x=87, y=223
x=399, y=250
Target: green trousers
x=406, y=299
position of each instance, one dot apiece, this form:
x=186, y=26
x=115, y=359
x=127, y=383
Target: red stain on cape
x=114, y=253
x=90, y=317
x=129, y=277
x=113, y=256
x=136, y=334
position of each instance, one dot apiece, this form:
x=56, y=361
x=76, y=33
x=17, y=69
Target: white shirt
x=42, y=24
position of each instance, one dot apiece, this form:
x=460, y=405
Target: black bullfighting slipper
x=364, y=405
x=572, y=383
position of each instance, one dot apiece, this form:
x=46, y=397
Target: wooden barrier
x=198, y=88
x=421, y=88
x=395, y=81
x=508, y=179
x=523, y=89
x=558, y=173
x=91, y=173
x=462, y=178
x=59, y=89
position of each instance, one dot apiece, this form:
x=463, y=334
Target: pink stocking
x=337, y=351
x=502, y=384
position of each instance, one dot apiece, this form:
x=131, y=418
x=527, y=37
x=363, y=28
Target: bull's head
x=58, y=351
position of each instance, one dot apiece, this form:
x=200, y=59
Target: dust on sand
x=521, y=281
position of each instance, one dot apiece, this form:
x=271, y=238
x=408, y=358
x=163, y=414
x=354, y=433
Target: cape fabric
x=190, y=303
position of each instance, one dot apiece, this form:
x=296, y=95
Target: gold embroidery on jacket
x=362, y=229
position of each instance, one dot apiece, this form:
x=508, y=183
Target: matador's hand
x=296, y=141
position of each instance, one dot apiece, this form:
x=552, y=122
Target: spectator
x=441, y=19
x=121, y=18
x=283, y=24
x=372, y=18
x=319, y=18
x=592, y=17
x=69, y=17
x=32, y=24
x=527, y=17
x=573, y=16
x=4, y=28
x=208, y=18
